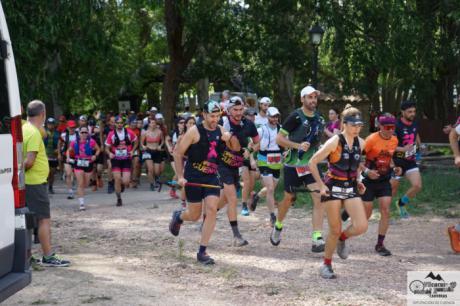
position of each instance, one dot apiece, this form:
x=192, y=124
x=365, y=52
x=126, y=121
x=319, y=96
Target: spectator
x=36, y=175
x=333, y=126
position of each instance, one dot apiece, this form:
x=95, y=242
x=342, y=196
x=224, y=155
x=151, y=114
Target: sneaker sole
x=207, y=263
x=274, y=242
x=318, y=249
x=240, y=245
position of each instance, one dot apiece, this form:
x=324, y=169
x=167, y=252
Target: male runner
x=51, y=142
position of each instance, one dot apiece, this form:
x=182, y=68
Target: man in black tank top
x=201, y=145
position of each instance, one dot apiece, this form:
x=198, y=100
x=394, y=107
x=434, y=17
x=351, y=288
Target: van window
x=5, y=119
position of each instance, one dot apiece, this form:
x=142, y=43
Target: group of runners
x=232, y=141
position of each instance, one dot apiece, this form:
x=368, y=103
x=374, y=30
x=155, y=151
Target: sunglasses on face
x=389, y=127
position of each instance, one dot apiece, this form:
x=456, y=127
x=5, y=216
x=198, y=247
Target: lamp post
x=316, y=34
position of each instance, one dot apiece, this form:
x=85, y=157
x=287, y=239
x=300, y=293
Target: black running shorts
x=375, y=190
x=198, y=194
x=292, y=179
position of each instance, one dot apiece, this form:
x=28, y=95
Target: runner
x=99, y=162
x=405, y=156
x=269, y=159
x=333, y=126
x=68, y=136
x=136, y=127
x=120, y=146
x=109, y=127
x=85, y=150
x=341, y=187
x=171, y=142
x=301, y=133
x=201, y=144
x=163, y=151
x=151, y=142
x=232, y=158
x=262, y=118
x=51, y=142
x=379, y=148
x=454, y=139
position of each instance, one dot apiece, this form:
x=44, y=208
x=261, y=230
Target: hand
x=373, y=174
x=457, y=161
x=398, y=171
x=226, y=136
x=111, y=155
x=304, y=146
x=181, y=181
x=246, y=153
x=361, y=188
x=323, y=190
x=93, y=158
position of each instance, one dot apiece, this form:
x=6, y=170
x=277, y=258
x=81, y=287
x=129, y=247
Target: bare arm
x=30, y=160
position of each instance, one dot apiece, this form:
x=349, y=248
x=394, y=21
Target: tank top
x=203, y=156
x=344, y=161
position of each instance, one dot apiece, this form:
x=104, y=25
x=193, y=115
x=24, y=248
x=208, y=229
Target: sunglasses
x=389, y=127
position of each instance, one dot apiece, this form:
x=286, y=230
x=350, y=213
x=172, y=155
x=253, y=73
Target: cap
x=272, y=111
x=154, y=109
x=353, y=119
x=265, y=100
x=159, y=116
x=211, y=106
x=71, y=124
x=407, y=104
x=51, y=120
x=83, y=117
x=308, y=90
x=386, y=119
x=234, y=101
x=250, y=111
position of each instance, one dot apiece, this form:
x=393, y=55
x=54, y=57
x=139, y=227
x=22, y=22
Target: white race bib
x=121, y=152
x=146, y=155
x=342, y=193
x=83, y=163
x=302, y=170
x=411, y=152
x=273, y=158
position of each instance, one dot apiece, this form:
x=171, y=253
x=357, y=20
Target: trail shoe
x=82, y=208
x=70, y=197
x=382, y=250
x=318, y=245
x=119, y=202
x=275, y=237
x=326, y=272
x=403, y=214
x=175, y=223
x=54, y=261
x=342, y=249
x=245, y=211
x=239, y=242
x=204, y=259
x=255, y=199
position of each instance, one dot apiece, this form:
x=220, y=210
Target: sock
x=202, y=249
x=345, y=215
x=328, y=261
x=380, y=240
x=343, y=237
x=272, y=215
x=81, y=201
x=404, y=200
x=278, y=225
x=316, y=235
x=236, y=232
x=245, y=205
x=118, y=195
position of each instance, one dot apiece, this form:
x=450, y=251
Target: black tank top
x=344, y=161
x=203, y=155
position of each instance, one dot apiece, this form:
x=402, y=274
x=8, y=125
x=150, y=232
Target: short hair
x=35, y=108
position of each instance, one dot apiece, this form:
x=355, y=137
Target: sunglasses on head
x=389, y=127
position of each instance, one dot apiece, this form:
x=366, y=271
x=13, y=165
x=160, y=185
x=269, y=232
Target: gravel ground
x=126, y=256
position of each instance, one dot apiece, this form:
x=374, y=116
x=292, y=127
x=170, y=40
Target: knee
x=211, y=211
x=360, y=227
x=385, y=212
x=417, y=186
x=195, y=216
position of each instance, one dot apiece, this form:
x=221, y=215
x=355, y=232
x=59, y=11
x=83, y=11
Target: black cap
x=353, y=119
x=407, y=104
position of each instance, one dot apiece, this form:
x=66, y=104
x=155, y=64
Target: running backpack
x=116, y=143
x=88, y=150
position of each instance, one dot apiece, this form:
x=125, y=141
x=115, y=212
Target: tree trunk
x=372, y=75
x=284, y=97
x=202, y=90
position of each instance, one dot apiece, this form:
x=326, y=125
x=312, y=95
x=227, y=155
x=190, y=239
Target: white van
x=15, y=238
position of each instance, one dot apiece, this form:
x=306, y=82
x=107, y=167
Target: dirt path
x=126, y=256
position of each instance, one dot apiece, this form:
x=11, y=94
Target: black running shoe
x=255, y=199
x=119, y=202
x=204, y=259
x=174, y=225
x=70, y=197
x=382, y=250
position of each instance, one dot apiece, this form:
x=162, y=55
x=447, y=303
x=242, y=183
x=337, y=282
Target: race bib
x=121, y=152
x=340, y=192
x=71, y=161
x=83, y=163
x=302, y=170
x=146, y=155
x=412, y=152
x=273, y=158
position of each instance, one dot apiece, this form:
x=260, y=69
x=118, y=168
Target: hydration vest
x=344, y=161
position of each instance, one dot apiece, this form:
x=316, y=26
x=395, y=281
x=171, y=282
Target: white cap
x=272, y=111
x=308, y=90
x=159, y=116
x=154, y=109
x=265, y=100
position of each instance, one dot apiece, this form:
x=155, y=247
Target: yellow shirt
x=33, y=142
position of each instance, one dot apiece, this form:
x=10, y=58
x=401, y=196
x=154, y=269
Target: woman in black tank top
x=340, y=186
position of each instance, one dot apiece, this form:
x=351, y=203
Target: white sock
x=82, y=201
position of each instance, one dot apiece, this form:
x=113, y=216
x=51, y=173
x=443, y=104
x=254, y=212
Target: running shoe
x=342, y=249
x=35, y=261
x=54, y=261
x=204, y=259
x=275, y=237
x=174, y=225
x=70, y=197
x=317, y=246
x=119, y=202
x=326, y=272
x=255, y=200
x=82, y=208
x=152, y=187
x=382, y=250
x=239, y=242
x=245, y=211
x=403, y=214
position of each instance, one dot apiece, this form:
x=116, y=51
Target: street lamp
x=316, y=34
